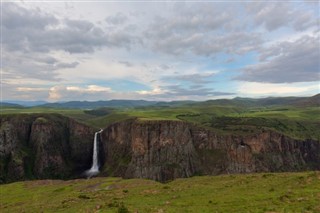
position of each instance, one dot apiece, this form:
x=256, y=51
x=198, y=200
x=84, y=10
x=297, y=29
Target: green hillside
x=277, y=192
x=297, y=117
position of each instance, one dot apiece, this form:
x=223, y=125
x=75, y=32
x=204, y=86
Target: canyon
x=51, y=146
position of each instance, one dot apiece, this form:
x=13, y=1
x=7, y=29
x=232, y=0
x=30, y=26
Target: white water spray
x=94, y=170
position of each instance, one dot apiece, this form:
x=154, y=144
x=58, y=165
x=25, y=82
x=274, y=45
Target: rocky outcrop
x=165, y=150
x=43, y=146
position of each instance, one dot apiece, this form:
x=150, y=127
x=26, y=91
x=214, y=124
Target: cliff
x=39, y=146
x=165, y=150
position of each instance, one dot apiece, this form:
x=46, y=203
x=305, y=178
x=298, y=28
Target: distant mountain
x=269, y=101
x=5, y=104
x=26, y=103
x=310, y=101
x=238, y=101
x=99, y=104
x=295, y=101
x=174, y=103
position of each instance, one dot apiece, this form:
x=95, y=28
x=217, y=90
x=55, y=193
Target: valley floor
x=268, y=192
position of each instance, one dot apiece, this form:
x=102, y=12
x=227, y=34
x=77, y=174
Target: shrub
x=122, y=209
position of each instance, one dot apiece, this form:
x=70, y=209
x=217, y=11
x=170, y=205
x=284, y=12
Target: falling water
x=94, y=170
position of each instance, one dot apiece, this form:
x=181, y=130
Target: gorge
x=51, y=146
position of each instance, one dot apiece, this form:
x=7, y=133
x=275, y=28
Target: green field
x=276, y=192
x=296, y=122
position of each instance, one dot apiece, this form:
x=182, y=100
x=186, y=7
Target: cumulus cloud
x=16, y=17
x=203, y=45
x=31, y=30
x=203, y=30
x=296, y=61
x=81, y=93
x=35, y=42
x=155, y=91
x=34, y=65
x=274, y=15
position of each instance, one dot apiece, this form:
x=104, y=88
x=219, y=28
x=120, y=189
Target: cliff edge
x=40, y=146
x=165, y=150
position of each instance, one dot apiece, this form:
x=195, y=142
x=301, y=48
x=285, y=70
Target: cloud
x=126, y=63
x=269, y=89
x=18, y=91
x=31, y=30
x=63, y=65
x=274, y=15
x=179, y=92
x=90, y=88
x=193, y=17
x=202, y=30
x=16, y=17
x=296, y=61
x=165, y=44
x=117, y=19
x=34, y=65
x=164, y=66
x=31, y=89
x=176, y=91
x=155, y=91
x=203, y=45
x=41, y=46
x=197, y=78
x=78, y=93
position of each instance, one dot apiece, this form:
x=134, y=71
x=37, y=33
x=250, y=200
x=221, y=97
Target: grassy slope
x=277, y=192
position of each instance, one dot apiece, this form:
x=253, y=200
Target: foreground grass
x=277, y=192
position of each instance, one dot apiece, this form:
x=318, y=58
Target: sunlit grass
x=276, y=192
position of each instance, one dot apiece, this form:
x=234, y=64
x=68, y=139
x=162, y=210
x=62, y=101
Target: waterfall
x=94, y=170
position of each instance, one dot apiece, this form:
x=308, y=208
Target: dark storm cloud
x=287, y=62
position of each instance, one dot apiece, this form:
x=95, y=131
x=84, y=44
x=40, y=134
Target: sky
x=158, y=50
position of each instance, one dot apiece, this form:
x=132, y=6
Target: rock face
x=165, y=150
x=52, y=146
x=43, y=146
